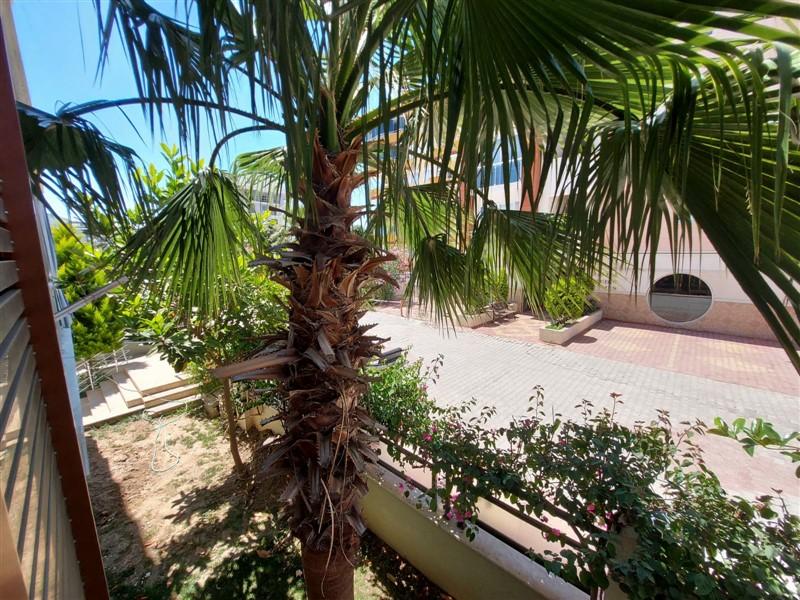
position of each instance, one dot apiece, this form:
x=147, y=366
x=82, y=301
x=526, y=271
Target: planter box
x=562, y=336
x=484, y=568
x=253, y=417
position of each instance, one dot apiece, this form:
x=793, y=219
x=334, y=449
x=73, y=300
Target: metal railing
x=415, y=459
x=93, y=371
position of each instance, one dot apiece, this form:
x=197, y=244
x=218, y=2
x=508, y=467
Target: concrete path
x=502, y=372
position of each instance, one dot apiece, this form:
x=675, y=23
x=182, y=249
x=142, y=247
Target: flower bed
x=628, y=509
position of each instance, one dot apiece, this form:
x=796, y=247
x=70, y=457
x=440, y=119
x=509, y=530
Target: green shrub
x=398, y=395
x=232, y=335
x=497, y=286
x=387, y=291
x=604, y=481
x=100, y=325
x=567, y=299
x=492, y=288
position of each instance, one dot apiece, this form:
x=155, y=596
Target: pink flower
x=562, y=442
x=555, y=532
x=468, y=514
x=433, y=429
x=424, y=387
x=590, y=509
x=449, y=515
x=454, y=497
x=401, y=487
x=544, y=519
x=427, y=437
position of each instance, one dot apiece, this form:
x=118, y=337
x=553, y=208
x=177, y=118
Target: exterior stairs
x=145, y=384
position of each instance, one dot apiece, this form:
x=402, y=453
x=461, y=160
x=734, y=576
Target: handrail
x=91, y=297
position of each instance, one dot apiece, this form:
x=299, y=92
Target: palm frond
x=625, y=103
x=191, y=248
x=440, y=277
x=71, y=160
x=721, y=157
x=266, y=46
x=534, y=249
x=263, y=171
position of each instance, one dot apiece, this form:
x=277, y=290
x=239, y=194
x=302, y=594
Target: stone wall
x=730, y=318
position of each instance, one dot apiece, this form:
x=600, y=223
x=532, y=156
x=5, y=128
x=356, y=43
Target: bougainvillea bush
x=641, y=508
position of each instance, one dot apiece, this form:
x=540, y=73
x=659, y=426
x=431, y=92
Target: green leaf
x=703, y=584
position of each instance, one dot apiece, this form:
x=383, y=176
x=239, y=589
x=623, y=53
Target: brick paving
x=755, y=363
x=502, y=371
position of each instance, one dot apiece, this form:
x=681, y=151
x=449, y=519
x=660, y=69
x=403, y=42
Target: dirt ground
x=175, y=522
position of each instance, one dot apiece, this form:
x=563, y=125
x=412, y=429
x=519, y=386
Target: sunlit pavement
x=502, y=372
x=754, y=363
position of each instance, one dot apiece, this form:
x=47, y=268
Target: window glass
x=496, y=174
x=680, y=298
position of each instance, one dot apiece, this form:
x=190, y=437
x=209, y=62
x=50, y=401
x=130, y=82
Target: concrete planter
x=562, y=336
x=484, y=568
x=473, y=321
x=253, y=417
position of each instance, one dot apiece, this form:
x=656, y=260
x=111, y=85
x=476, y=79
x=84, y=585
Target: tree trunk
x=328, y=575
x=329, y=272
x=228, y=406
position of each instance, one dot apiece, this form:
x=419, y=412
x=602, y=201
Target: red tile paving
x=744, y=361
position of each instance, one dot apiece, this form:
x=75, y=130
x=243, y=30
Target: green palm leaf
x=70, y=160
x=191, y=248
x=642, y=111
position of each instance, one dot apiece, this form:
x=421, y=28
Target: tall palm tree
x=651, y=121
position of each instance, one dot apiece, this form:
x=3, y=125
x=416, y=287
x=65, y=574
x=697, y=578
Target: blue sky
x=59, y=46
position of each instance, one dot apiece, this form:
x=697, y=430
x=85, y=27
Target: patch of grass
x=208, y=437
x=201, y=431
x=117, y=427
x=121, y=589
x=213, y=544
x=248, y=576
x=211, y=472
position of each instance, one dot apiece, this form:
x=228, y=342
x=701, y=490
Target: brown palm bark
x=329, y=271
x=327, y=574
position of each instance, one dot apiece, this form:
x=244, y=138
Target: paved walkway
x=502, y=371
x=754, y=363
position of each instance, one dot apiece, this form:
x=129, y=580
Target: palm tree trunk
x=328, y=575
x=328, y=271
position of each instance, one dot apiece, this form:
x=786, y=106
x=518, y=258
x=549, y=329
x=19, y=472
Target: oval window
x=680, y=298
